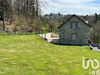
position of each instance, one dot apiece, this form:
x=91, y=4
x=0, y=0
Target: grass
x=32, y=55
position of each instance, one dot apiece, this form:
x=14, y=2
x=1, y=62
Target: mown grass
x=32, y=55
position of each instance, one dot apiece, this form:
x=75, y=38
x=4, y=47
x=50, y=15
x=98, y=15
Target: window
x=74, y=36
x=74, y=24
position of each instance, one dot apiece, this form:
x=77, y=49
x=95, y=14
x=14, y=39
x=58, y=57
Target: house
x=74, y=31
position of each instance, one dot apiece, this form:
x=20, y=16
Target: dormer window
x=74, y=24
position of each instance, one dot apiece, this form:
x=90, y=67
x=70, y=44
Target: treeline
x=25, y=16
x=27, y=8
x=22, y=14
x=93, y=20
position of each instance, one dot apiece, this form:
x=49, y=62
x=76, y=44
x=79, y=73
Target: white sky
x=80, y=7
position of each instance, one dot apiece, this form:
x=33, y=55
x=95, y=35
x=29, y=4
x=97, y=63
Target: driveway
x=50, y=37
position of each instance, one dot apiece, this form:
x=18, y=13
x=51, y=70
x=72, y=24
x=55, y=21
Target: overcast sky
x=80, y=7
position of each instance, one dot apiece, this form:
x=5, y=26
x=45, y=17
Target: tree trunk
x=3, y=16
x=37, y=7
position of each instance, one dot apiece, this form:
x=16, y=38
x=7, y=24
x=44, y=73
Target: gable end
x=76, y=17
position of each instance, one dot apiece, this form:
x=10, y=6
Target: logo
x=92, y=61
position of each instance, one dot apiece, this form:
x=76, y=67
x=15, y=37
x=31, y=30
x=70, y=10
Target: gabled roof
x=76, y=17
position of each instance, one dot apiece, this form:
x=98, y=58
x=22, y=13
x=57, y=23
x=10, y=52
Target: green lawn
x=32, y=55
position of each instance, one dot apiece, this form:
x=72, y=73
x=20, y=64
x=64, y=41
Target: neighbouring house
x=75, y=31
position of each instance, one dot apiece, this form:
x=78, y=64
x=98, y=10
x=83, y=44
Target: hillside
x=32, y=55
